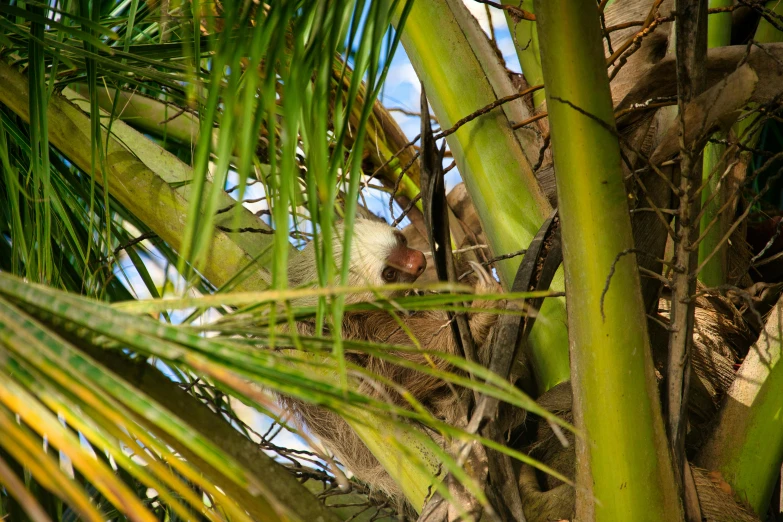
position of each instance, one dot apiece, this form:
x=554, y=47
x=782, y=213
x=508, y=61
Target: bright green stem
x=747, y=446
x=714, y=272
x=526, y=44
x=719, y=25
x=461, y=75
x=766, y=32
x=624, y=471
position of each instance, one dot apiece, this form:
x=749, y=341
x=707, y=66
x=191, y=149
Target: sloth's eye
x=401, y=239
x=389, y=274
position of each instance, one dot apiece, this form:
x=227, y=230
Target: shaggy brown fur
x=719, y=339
x=448, y=404
x=430, y=328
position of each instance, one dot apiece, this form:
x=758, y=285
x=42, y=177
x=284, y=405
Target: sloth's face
x=380, y=255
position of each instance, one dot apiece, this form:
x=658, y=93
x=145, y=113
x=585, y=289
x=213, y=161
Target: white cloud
x=506, y=46
x=479, y=10
x=402, y=87
x=403, y=90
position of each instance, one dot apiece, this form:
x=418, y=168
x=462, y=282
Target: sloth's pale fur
x=371, y=246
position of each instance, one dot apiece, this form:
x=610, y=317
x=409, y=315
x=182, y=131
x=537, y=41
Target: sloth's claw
x=486, y=283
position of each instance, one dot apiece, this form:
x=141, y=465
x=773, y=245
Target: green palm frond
x=58, y=349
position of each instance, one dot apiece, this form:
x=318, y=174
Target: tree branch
x=691, y=51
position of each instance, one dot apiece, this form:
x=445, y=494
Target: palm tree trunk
x=624, y=470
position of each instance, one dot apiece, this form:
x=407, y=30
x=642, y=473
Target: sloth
x=379, y=256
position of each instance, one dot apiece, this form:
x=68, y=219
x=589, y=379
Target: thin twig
x=480, y=112
x=691, y=50
x=407, y=209
x=495, y=260
x=513, y=10
x=539, y=116
x=407, y=112
x=242, y=230
x=611, y=273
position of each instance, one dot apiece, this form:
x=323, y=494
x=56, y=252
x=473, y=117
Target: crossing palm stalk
x=461, y=74
x=624, y=471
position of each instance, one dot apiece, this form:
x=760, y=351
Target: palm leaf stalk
x=460, y=73
x=134, y=184
x=526, y=44
x=714, y=272
x=145, y=113
x=615, y=393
